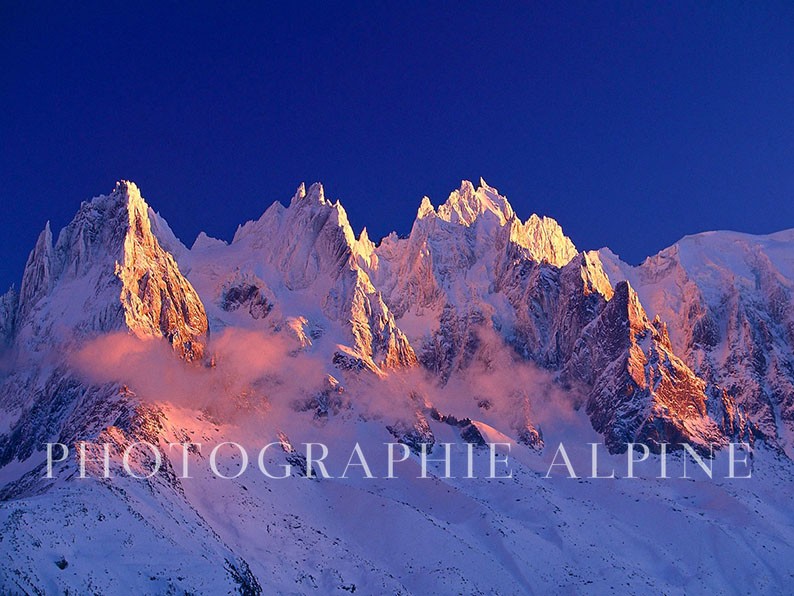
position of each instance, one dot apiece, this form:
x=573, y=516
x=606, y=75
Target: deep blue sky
x=632, y=124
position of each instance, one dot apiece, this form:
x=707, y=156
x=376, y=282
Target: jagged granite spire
x=312, y=246
x=108, y=271
x=157, y=300
x=37, y=278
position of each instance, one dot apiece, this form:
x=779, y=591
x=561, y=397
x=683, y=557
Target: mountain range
x=477, y=327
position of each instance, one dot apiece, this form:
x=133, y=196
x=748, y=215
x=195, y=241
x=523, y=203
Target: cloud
x=246, y=371
x=500, y=388
x=254, y=374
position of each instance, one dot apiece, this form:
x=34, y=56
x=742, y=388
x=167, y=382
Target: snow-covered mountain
x=473, y=267
x=478, y=327
x=106, y=272
x=727, y=300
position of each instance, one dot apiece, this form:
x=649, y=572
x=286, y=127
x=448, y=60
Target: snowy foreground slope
x=476, y=328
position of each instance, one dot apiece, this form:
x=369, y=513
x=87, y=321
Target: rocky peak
x=311, y=247
x=364, y=250
x=108, y=271
x=592, y=274
x=727, y=297
x=466, y=204
x=544, y=239
x=426, y=209
x=315, y=238
x=97, y=232
x=300, y=194
x=203, y=240
x=454, y=254
x=37, y=278
x=629, y=302
x=158, y=301
x=641, y=391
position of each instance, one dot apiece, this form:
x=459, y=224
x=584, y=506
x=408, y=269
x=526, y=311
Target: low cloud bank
x=251, y=373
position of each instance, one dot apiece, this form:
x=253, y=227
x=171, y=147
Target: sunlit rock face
x=727, y=298
x=157, y=300
x=641, y=392
x=108, y=272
